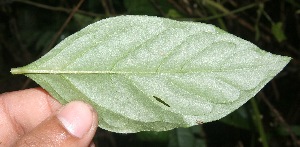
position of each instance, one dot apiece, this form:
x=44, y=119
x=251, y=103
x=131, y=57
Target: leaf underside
x=148, y=73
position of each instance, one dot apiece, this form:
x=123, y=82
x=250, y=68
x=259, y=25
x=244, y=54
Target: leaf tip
x=286, y=59
x=15, y=71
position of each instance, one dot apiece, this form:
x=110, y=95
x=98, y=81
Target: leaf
x=148, y=73
x=172, y=13
x=183, y=137
x=153, y=136
x=140, y=7
x=239, y=119
x=278, y=32
x=147, y=7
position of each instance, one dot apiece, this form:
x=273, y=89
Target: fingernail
x=77, y=118
x=92, y=144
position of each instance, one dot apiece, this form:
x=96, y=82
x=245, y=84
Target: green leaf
x=187, y=137
x=172, y=13
x=153, y=136
x=238, y=119
x=281, y=130
x=140, y=7
x=278, y=31
x=148, y=73
x=147, y=7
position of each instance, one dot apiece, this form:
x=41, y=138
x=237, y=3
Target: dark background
x=30, y=28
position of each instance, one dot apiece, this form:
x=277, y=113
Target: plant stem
x=257, y=120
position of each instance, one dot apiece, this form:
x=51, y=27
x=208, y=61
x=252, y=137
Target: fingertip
x=77, y=118
x=73, y=125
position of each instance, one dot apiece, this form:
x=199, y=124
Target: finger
x=21, y=111
x=74, y=125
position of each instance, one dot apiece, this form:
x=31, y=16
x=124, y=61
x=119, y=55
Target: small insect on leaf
x=161, y=101
x=199, y=122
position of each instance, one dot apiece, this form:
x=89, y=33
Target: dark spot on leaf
x=161, y=101
x=199, y=122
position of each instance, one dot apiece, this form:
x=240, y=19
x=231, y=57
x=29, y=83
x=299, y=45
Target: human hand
x=33, y=118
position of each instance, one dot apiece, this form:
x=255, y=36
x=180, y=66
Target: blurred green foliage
x=30, y=28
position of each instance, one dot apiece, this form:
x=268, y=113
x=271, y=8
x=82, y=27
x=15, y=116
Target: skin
x=33, y=118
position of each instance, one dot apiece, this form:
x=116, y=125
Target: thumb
x=74, y=125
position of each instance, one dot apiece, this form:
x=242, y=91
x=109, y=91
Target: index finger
x=21, y=111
